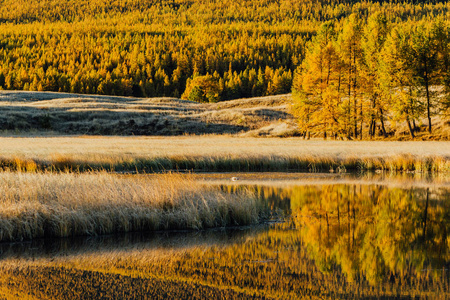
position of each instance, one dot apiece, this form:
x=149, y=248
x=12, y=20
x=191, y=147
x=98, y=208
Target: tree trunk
x=349, y=97
x=382, y=123
x=361, y=123
x=372, y=118
x=355, y=120
x=428, y=102
x=411, y=131
x=354, y=91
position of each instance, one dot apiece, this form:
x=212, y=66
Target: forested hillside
x=359, y=74
x=201, y=50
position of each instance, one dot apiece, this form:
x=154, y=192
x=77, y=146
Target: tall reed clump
x=406, y=163
x=34, y=205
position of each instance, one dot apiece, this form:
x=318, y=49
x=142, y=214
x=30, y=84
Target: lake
x=328, y=236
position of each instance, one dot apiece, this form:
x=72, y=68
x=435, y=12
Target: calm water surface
x=330, y=236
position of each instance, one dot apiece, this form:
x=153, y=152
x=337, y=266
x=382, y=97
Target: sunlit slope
x=46, y=113
x=60, y=113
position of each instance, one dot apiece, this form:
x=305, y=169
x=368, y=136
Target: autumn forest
x=224, y=149
x=350, y=64
x=356, y=74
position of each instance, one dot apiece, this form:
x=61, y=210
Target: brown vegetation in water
x=62, y=205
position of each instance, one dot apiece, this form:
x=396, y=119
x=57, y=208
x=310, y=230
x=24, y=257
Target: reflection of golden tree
x=367, y=230
x=360, y=231
x=373, y=231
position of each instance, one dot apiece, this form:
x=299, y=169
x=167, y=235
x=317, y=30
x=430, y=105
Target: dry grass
x=61, y=205
x=50, y=113
x=61, y=113
x=219, y=154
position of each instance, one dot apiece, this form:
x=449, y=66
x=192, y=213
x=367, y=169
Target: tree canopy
x=358, y=73
x=152, y=48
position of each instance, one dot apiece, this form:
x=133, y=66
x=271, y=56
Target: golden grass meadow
x=297, y=257
x=214, y=153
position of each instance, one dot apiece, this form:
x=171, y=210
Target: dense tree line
x=171, y=47
x=79, y=60
x=359, y=73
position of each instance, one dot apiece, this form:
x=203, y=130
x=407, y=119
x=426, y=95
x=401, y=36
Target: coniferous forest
x=358, y=72
x=350, y=64
x=227, y=49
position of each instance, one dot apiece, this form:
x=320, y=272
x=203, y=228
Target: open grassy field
x=219, y=154
x=49, y=113
x=60, y=113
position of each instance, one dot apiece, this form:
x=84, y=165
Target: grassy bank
x=219, y=154
x=61, y=205
x=400, y=163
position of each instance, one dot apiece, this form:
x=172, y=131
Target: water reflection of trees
x=369, y=232
x=341, y=242
x=373, y=231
